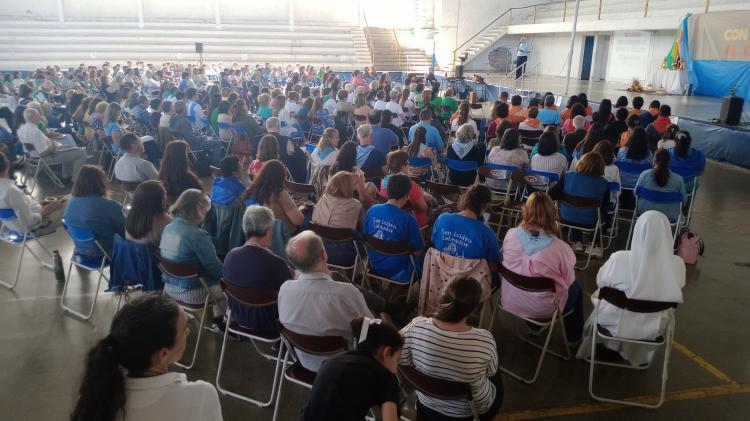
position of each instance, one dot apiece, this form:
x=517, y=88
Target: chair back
x=432, y=386
x=687, y=173
x=177, y=269
x=388, y=248
x=540, y=178
x=299, y=188
x=224, y=126
x=441, y=189
x=633, y=168
x=580, y=202
x=7, y=215
x=417, y=162
x=457, y=165
x=333, y=234
x=374, y=175
x=531, y=134
x=657, y=196
x=494, y=172
x=618, y=298
x=251, y=297
x=84, y=240
x=315, y=345
x=527, y=283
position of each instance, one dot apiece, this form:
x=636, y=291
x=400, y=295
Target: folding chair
x=39, y=164
x=14, y=238
x=580, y=202
x=188, y=271
x=502, y=199
x=300, y=191
x=436, y=388
x=632, y=169
x=253, y=298
x=294, y=371
x=88, y=254
x=422, y=163
x=390, y=248
x=539, y=286
x=227, y=143
x=612, y=209
x=448, y=193
x=662, y=198
x=128, y=188
x=340, y=235
x=689, y=176
x=620, y=300
x=133, y=267
x=529, y=138
x=374, y=176
x=460, y=166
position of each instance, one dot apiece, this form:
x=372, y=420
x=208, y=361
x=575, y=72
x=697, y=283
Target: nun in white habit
x=650, y=271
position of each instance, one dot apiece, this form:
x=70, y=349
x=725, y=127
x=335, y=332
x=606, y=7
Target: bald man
x=71, y=157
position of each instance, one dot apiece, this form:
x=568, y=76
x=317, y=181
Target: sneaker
x=595, y=252
x=577, y=246
x=218, y=325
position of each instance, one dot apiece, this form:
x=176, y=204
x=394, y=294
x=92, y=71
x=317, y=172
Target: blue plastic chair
x=457, y=165
x=15, y=238
x=423, y=163
x=88, y=254
x=690, y=177
x=632, y=168
x=660, y=197
x=541, y=179
x=581, y=202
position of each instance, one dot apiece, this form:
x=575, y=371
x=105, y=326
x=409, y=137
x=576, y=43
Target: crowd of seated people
x=356, y=142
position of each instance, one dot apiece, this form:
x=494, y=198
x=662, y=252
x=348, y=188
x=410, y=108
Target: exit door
x=588, y=55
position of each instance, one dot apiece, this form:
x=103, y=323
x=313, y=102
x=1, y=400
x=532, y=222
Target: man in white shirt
x=130, y=166
x=315, y=304
x=29, y=213
x=71, y=157
x=380, y=102
x=395, y=108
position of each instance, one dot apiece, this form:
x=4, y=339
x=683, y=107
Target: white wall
x=30, y=9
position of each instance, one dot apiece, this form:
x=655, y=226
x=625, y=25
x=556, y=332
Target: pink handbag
x=690, y=247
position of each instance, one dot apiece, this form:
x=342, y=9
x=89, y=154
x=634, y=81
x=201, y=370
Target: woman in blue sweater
x=89, y=207
x=660, y=179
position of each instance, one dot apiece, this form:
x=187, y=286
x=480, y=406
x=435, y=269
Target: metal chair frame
x=6, y=235
x=105, y=262
x=390, y=248
x=618, y=299
x=585, y=203
x=535, y=284
x=437, y=388
x=676, y=225
x=267, y=298
x=40, y=164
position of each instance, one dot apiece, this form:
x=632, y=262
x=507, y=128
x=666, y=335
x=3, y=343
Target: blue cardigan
x=104, y=216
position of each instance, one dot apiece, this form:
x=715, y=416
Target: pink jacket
x=441, y=268
x=556, y=261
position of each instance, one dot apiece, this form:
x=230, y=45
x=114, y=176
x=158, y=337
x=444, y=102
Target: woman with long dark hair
x=636, y=152
x=418, y=149
x=604, y=114
x=268, y=189
x=593, y=136
x=175, y=172
x=661, y=179
x=148, y=214
x=127, y=373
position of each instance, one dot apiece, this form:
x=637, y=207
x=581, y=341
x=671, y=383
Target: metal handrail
x=399, y=53
x=370, y=45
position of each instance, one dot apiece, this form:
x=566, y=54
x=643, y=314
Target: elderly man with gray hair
x=315, y=304
x=68, y=154
x=253, y=265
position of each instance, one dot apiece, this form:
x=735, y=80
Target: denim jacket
x=183, y=241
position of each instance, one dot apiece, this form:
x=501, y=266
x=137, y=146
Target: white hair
x=364, y=131
x=579, y=122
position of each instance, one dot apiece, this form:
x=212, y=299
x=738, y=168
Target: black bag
x=202, y=164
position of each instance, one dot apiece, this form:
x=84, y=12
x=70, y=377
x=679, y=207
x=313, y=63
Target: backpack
x=202, y=165
x=690, y=247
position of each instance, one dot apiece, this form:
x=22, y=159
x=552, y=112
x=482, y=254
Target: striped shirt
x=469, y=357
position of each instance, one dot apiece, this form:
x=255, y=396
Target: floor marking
x=591, y=408
x=703, y=363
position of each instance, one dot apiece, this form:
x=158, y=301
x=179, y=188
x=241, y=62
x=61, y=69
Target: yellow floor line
x=590, y=408
x=703, y=363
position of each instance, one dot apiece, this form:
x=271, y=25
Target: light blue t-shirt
x=674, y=184
x=549, y=116
x=388, y=222
x=433, y=136
x=464, y=237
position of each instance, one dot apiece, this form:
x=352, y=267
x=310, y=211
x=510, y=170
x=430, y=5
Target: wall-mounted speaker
x=199, y=47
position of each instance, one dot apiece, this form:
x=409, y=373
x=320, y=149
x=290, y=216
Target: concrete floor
x=42, y=350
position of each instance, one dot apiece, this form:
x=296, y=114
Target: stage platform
x=695, y=113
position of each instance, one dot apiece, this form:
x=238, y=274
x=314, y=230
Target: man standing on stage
x=522, y=54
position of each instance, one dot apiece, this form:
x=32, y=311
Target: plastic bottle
x=59, y=270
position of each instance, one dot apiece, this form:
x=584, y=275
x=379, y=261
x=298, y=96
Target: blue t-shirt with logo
x=465, y=237
x=388, y=222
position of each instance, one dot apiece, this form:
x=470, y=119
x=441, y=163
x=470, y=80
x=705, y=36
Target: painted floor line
x=591, y=408
x=703, y=363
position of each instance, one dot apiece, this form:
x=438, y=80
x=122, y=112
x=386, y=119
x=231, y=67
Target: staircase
x=389, y=55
